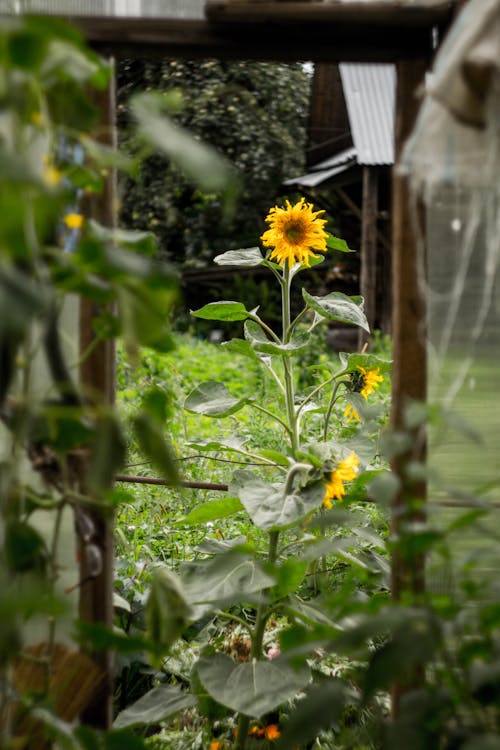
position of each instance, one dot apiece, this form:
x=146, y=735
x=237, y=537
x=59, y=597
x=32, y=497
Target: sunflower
x=371, y=380
x=294, y=233
x=345, y=471
x=364, y=382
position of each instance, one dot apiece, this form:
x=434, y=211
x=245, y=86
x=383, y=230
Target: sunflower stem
x=287, y=363
x=329, y=410
x=261, y=618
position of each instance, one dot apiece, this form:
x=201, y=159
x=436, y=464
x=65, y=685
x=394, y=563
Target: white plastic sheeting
x=452, y=160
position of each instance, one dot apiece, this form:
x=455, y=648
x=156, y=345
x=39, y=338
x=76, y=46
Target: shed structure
x=358, y=175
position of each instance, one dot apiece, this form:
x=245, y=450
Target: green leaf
x=338, y=306
x=241, y=348
x=249, y=256
x=228, y=577
x=123, y=739
x=128, y=239
x=321, y=707
x=289, y=575
x=211, y=546
x=412, y=643
x=261, y=343
x=157, y=705
x=310, y=614
x=107, y=156
x=353, y=361
x=270, y=509
x=64, y=60
x=155, y=447
x=167, y=611
x=20, y=300
x=211, y=511
x=213, y=400
x=335, y=243
x=226, y=311
x=25, y=549
x=144, y=308
x=107, y=454
x=384, y=487
x=111, y=739
x=254, y=688
x=279, y=458
x=99, y=637
x=232, y=443
x=155, y=402
x=26, y=49
x=200, y=162
x=120, y=603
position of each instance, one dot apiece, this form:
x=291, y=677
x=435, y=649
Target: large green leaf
x=248, y=256
x=353, y=360
x=411, y=644
x=213, y=400
x=338, y=306
x=129, y=239
x=227, y=577
x=224, y=310
x=21, y=300
x=212, y=510
x=154, y=445
x=231, y=443
x=25, y=549
x=155, y=706
x=110, y=739
x=167, y=611
x=144, y=307
x=241, y=347
x=261, y=343
x=335, y=243
x=269, y=508
x=107, y=454
x=254, y=688
x=322, y=707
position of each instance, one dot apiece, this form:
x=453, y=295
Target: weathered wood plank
x=332, y=36
x=97, y=378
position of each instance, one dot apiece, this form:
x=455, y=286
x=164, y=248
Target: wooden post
x=409, y=339
x=368, y=278
x=97, y=378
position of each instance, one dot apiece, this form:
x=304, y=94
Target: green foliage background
x=254, y=113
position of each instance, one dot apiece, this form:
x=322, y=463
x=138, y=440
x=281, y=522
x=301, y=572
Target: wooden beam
x=378, y=12
x=368, y=255
x=409, y=376
x=409, y=346
x=327, y=32
x=97, y=379
x=352, y=206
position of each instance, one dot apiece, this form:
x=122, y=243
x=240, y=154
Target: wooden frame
x=331, y=32
x=288, y=31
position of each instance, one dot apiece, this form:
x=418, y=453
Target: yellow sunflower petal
x=73, y=221
x=372, y=379
x=351, y=414
x=294, y=233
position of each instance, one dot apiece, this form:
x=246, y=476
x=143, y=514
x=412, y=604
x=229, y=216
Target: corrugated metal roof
x=369, y=92
x=172, y=9
x=326, y=169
